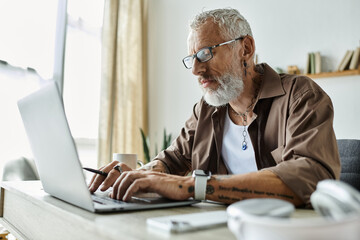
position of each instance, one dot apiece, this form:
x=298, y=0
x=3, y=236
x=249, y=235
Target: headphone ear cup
x=328, y=206
x=336, y=200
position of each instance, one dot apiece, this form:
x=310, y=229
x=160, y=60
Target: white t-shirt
x=235, y=158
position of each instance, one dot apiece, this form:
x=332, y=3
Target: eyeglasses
x=205, y=54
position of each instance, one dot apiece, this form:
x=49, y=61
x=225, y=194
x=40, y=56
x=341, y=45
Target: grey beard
x=230, y=88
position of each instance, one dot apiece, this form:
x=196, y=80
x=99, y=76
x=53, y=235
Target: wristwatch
x=201, y=178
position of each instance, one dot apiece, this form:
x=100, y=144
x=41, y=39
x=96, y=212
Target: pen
x=96, y=171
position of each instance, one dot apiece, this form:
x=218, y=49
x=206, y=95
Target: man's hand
x=156, y=166
x=113, y=174
x=107, y=182
x=170, y=186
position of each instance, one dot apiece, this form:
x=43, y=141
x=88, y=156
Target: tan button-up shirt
x=292, y=135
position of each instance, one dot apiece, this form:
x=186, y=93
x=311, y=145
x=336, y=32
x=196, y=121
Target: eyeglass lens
x=203, y=55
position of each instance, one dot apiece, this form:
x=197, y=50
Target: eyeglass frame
x=210, y=49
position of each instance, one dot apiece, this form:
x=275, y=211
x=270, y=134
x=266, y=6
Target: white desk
x=30, y=213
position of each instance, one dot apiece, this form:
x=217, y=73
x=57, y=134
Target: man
x=260, y=134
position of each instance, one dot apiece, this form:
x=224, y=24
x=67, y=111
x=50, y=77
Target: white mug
x=128, y=158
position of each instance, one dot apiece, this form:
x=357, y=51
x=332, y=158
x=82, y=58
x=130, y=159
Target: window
x=28, y=41
x=82, y=74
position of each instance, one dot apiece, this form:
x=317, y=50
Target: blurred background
x=284, y=31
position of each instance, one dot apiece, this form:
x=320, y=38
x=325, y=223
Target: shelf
x=335, y=74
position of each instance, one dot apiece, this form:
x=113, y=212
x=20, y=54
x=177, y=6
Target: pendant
x=244, y=146
x=244, y=143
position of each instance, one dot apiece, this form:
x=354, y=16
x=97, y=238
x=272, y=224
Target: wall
x=344, y=92
x=285, y=31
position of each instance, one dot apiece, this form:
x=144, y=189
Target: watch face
x=199, y=172
x=206, y=172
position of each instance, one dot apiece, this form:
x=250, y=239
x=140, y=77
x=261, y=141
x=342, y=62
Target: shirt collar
x=271, y=85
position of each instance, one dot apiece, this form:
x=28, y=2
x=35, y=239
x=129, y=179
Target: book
x=342, y=60
x=345, y=62
x=307, y=66
x=317, y=62
x=312, y=63
x=355, y=59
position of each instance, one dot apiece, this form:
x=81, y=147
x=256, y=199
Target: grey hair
x=231, y=23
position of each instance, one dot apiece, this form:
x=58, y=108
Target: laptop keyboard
x=144, y=198
x=106, y=200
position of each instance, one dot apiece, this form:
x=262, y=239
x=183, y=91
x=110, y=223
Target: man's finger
x=114, y=174
x=92, y=180
x=98, y=179
x=126, y=181
x=117, y=184
x=110, y=179
x=141, y=184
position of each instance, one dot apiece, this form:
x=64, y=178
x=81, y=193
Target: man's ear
x=248, y=47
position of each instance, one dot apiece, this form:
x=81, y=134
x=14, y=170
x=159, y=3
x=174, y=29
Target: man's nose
x=198, y=67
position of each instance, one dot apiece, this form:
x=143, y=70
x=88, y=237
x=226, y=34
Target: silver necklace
x=244, y=116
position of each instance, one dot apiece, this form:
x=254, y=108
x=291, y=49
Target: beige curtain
x=123, y=103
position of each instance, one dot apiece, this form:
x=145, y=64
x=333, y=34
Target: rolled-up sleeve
x=177, y=157
x=310, y=152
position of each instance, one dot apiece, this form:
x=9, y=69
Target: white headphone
x=335, y=199
x=337, y=203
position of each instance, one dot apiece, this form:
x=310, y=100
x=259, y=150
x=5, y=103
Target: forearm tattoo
x=226, y=193
x=252, y=191
x=210, y=189
x=229, y=194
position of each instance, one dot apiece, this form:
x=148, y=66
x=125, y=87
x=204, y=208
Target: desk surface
x=30, y=213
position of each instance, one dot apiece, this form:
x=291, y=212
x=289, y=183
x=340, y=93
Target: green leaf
x=156, y=149
x=145, y=141
x=146, y=144
x=166, y=140
x=169, y=140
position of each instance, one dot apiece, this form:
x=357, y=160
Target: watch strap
x=200, y=186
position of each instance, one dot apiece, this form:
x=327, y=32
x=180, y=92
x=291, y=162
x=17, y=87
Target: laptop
x=57, y=160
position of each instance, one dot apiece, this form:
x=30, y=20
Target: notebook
x=57, y=160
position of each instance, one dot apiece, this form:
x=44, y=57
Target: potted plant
x=146, y=144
